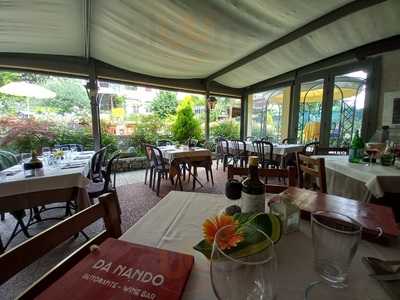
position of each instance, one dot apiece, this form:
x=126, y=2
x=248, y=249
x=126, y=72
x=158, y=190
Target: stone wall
x=130, y=164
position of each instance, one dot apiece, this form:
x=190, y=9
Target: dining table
x=180, y=158
x=360, y=181
x=175, y=224
x=278, y=149
x=62, y=180
x=283, y=151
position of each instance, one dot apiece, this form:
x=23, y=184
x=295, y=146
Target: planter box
x=130, y=164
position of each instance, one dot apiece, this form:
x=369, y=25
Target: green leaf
x=204, y=247
x=253, y=242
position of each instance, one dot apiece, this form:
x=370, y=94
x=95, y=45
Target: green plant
x=228, y=129
x=164, y=104
x=147, y=132
x=186, y=125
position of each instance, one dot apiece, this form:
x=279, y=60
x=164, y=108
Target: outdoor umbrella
x=28, y=90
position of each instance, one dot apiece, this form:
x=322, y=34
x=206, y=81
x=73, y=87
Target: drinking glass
x=335, y=239
x=245, y=275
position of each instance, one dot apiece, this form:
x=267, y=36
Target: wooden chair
x=201, y=162
x=332, y=151
x=289, y=173
x=311, y=148
x=314, y=168
x=23, y=255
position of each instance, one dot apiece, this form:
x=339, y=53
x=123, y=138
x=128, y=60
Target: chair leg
x=151, y=177
x=158, y=183
x=145, y=175
x=217, y=163
x=206, y=168
x=225, y=162
x=194, y=177
x=212, y=177
x=154, y=179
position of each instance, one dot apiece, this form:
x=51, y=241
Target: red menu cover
x=123, y=270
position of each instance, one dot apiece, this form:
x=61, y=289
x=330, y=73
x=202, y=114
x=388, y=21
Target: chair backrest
x=23, y=255
x=107, y=175
x=333, y=151
x=314, y=168
x=311, y=148
x=260, y=147
x=161, y=143
x=289, y=173
x=191, y=142
x=7, y=160
x=158, y=158
x=288, y=141
x=223, y=146
x=250, y=138
x=97, y=162
x=239, y=147
x=266, y=139
x=148, y=152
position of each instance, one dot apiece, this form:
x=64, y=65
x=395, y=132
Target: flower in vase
x=229, y=237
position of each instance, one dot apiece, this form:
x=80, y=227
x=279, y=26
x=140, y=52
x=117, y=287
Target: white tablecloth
x=279, y=149
x=171, y=152
x=359, y=181
x=51, y=179
x=175, y=224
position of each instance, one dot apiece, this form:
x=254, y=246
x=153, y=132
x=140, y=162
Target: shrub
x=146, y=132
x=186, y=125
x=228, y=129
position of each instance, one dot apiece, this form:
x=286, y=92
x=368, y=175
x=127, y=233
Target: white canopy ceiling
x=189, y=38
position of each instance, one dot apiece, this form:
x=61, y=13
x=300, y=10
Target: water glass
x=335, y=239
x=243, y=275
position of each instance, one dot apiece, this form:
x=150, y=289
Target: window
x=269, y=114
x=131, y=87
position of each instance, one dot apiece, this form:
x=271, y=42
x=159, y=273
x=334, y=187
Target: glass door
x=310, y=111
x=347, y=107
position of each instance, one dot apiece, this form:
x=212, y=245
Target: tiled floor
x=130, y=177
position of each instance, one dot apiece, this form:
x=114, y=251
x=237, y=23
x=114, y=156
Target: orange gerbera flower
x=228, y=238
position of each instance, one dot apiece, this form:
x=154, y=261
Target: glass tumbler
x=245, y=274
x=335, y=239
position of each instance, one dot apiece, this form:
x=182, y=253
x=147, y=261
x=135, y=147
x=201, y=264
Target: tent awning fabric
x=190, y=39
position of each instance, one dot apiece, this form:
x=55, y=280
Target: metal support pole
x=243, y=116
x=92, y=89
x=207, y=121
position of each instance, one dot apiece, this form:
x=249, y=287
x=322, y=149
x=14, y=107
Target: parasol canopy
x=25, y=89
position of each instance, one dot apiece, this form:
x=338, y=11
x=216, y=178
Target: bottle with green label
x=356, y=151
x=253, y=190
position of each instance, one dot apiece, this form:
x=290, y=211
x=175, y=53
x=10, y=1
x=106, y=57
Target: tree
x=164, y=104
x=7, y=102
x=186, y=125
x=70, y=96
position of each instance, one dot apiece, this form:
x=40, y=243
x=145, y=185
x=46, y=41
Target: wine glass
x=46, y=152
x=372, y=153
x=335, y=239
x=241, y=273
